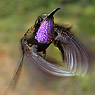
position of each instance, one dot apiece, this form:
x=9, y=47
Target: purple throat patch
x=45, y=32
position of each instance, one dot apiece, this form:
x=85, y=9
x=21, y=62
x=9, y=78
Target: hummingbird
x=39, y=37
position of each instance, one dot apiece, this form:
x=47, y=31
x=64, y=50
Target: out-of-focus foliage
x=10, y=7
x=16, y=16
x=82, y=9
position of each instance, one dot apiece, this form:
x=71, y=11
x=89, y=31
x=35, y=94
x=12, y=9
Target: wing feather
x=75, y=55
x=48, y=66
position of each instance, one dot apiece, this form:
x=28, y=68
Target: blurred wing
x=74, y=54
x=15, y=76
x=47, y=66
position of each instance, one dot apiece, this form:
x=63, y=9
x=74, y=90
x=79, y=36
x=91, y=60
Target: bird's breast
x=45, y=32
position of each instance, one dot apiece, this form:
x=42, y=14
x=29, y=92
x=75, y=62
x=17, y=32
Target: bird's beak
x=53, y=12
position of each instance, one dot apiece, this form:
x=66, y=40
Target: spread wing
x=74, y=54
x=46, y=66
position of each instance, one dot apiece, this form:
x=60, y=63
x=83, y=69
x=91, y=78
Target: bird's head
x=44, y=25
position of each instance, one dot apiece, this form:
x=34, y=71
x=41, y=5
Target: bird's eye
x=39, y=20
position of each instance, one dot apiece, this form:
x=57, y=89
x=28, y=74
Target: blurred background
x=16, y=16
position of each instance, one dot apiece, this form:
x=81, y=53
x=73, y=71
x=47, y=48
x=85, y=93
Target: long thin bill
x=53, y=12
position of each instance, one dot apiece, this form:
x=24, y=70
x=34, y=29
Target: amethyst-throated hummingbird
x=40, y=36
